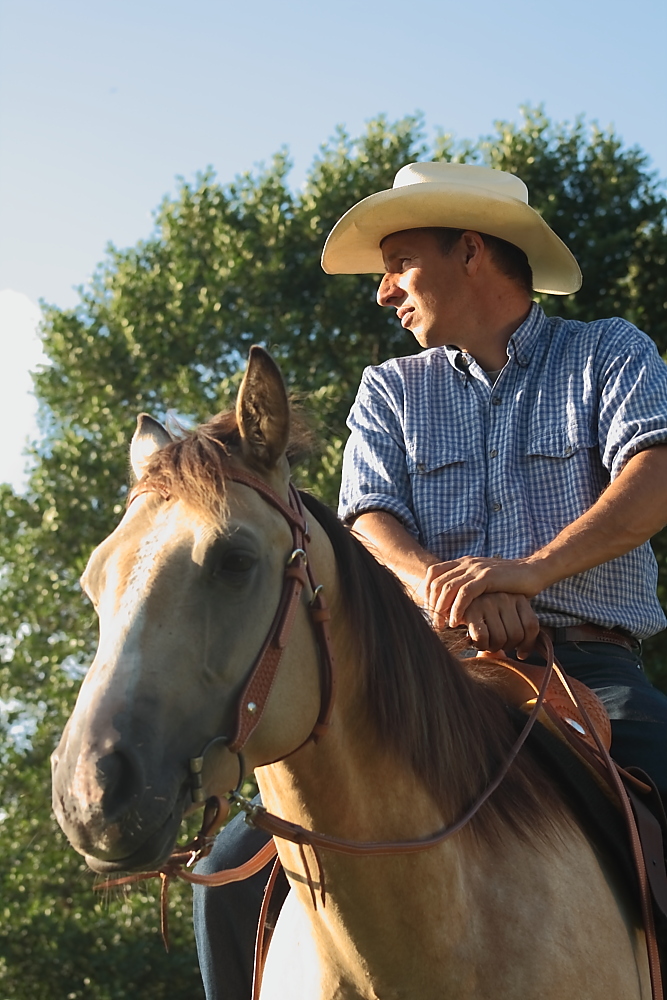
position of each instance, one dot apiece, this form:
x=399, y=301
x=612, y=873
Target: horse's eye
x=234, y=564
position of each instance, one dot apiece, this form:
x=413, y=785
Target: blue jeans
x=225, y=918
x=638, y=711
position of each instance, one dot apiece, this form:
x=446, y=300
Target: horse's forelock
x=194, y=466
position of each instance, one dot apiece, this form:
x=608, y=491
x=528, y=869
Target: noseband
x=298, y=574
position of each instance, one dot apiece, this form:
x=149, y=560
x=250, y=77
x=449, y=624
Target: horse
x=520, y=903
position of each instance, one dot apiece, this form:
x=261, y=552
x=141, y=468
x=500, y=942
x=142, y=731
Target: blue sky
x=103, y=104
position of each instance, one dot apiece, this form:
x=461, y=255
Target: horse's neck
x=456, y=920
x=350, y=787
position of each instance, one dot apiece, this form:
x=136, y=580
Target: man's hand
x=452, y=587
x=502, y=621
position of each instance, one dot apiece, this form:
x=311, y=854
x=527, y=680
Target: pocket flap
x=560, y=442
x=435, y=458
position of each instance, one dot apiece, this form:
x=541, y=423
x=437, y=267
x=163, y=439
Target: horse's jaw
x=151, y=855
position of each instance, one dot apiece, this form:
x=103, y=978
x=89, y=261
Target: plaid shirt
x=475, y=468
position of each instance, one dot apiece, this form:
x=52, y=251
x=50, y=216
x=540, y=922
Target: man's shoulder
x=405, y=381
x=602, y=344
x=407, y=366
x=610, y=330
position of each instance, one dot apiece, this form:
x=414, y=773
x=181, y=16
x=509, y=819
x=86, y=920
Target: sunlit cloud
x=21, y=352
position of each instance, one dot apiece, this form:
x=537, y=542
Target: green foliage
x=167, y=325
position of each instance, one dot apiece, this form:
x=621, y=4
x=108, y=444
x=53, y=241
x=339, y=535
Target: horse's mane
x=424, y=705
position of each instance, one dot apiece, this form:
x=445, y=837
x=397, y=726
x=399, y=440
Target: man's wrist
x=545, y=568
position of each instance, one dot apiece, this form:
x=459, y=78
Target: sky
x=104, y=104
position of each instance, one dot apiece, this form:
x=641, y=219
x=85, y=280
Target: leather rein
x=297, y=575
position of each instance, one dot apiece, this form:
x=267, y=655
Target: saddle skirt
x=570, y=753
x=518, y=683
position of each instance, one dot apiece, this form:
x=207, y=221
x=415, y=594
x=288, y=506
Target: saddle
x=620, y=809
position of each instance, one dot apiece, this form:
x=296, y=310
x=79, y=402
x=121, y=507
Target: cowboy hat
x=455, y=196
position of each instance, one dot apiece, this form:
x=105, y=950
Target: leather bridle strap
x=298, y=574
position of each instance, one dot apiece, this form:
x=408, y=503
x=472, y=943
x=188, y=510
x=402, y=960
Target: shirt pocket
x=564, y=477
x=441, y=483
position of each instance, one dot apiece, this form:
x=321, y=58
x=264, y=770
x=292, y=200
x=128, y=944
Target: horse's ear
x=262, y=411
x=149, y=437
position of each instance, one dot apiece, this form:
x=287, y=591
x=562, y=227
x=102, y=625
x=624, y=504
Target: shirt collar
x=521, y=344
x=523, y=341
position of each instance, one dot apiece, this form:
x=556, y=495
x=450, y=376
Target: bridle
x=252, y=702
x=298, y=574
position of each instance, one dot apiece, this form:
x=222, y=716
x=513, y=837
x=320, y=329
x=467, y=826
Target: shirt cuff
x=377, y=501
x=637, y=444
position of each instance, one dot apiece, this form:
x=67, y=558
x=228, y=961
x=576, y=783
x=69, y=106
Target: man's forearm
x=630, y=511
x=394, y=546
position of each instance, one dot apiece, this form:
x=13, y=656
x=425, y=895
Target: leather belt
x=592, y=633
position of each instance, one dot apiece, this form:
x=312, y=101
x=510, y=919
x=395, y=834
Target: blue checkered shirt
x=475, y=468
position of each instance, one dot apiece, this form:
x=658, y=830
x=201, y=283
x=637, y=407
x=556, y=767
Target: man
x=511, y=474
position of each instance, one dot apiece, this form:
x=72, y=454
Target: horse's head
x=186, y=589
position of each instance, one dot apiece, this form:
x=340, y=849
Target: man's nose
x=388, y=293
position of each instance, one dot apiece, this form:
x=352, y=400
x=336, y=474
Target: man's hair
x=509, y=259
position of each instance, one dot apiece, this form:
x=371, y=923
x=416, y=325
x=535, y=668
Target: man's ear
x=262, y=411
x=474, y=250
x=149, y=437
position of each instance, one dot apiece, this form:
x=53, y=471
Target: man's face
x=424, y=285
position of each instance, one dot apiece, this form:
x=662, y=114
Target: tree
x=166, y=325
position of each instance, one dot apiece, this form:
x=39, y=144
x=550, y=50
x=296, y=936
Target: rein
x=258, y=816
x=298, y=573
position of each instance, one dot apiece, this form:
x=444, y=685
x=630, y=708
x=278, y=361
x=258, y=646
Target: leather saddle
x=570, y=712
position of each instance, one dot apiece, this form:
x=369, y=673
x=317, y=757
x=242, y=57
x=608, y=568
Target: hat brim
x=353, y=245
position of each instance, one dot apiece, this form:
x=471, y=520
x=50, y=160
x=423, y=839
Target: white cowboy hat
x=456, y=196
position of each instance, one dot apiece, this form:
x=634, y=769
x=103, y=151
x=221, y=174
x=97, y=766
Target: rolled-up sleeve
x=375, y=472
x=633, y=397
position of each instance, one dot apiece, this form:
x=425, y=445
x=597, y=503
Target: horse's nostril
x=121, y=780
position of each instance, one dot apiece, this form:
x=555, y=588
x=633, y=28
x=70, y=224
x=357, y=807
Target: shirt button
x=496, y=400
x=568, y=450
x=420, y=467
x=496, y=555
x=497, y=505
x=493, y=452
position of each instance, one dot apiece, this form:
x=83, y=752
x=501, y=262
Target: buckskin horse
x=518, y=904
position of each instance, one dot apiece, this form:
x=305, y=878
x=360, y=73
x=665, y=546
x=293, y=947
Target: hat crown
x=460, y=175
